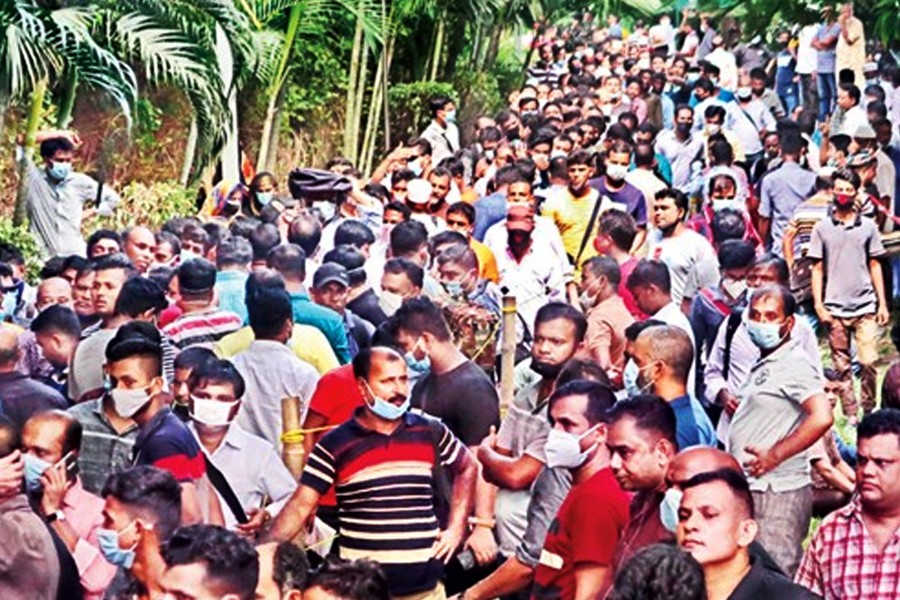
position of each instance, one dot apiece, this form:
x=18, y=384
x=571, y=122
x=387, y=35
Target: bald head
x=670, y=345
x=54, y=290
x=694, y=461
x=9, y=349
x=51, y=435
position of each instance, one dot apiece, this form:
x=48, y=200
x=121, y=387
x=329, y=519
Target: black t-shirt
x=463, y=398
x=764, y=583
x=366, y=306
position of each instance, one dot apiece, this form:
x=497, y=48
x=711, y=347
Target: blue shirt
x=306, y=312
x=231, y=287
x=825, y=59
x=488, y=210
x=692, y=426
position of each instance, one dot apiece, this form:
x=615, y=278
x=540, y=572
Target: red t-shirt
x=626, y=268
x=336, y=397
x=586, y=530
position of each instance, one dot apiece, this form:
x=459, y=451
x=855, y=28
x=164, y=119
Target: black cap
x=196, y=276
x=330, y=272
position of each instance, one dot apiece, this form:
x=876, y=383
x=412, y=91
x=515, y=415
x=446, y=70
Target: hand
x=251, y=528
x=764, y=462
x=882, y=317
x=446, y=543
x=12, y=471
x=490, y=440
x=55, y=484
x=825, y=316
x=52, y=134
x=483, y=545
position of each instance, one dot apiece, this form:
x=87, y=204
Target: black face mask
x=545, y=369
x=757, y=92
x=683, y=128
x=518, y=239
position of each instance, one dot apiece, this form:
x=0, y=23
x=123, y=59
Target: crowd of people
x=296, y=392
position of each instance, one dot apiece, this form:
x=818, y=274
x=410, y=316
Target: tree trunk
x=271, y=126
x=352, y=84
x=190, y=151
x=67, y=102
x=438, y=47
x=356, y=123
x=373, y=119
x=20, y=214
x=275, y=135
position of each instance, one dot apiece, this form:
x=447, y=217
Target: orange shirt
x=487, y=264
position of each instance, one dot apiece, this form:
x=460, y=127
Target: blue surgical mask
x=187, y=255
x=419, y=366
x=454, y=288
x=451, y=116
x=108, y=541
x=629, y=378
x=34, y=469
x=416, y=167
x=668, y=509
x=387, y=410
x=765, y=336
x=264, y=197
x=8, y=305
x=59, y=170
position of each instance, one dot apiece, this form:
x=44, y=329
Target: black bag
x=315, y=184
x=218, y=481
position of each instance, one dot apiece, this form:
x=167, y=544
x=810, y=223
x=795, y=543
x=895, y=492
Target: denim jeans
x=827, y=94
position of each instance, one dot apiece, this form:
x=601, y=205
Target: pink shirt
x=84, y=514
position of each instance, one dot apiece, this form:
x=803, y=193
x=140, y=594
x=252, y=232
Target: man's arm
x=191, y=512
x=292, y=518
x=449, y=539
x=481, y=539
x=512, y=576
x=818, y=419
x=507, y=472
x=591, y=580
x=818, y=286
x=883, y=315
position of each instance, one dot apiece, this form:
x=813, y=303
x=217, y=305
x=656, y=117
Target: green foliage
x=409, y=106
x=148, y=205
x=317, y=80
x=21, y=238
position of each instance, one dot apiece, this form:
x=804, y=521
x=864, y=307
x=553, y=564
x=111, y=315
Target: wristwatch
x=56, y=515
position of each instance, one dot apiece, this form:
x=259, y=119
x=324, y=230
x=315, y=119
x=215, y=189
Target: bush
x=21, y=238
x=409, y=106
x=148, y=205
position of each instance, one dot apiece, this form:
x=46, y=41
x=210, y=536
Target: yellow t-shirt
x=487, y=264
x=571, y=216
x=308, y=343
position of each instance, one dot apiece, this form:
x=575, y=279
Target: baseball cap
x=520, y=217
x=196, y=275
x=330, y=273
x=864, y=132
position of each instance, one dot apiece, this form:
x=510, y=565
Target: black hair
x=362, y=362
x=660, y=572
x=576, y=368
x=217, y=370
x=53, y=145
x=735, y=481
x=437, y=103
x=164, y=237
x=306, y=232
x=881, y=422
x=138, y=295
x=650, y=272
x=768, y=259
x=788, y=302
x=57, y=319
x=420, y=315
x=233, y=251
x=103, y=234
x=357, y=580
x=852, y=91
x=728, y=224
x=268, y=309
x=230, y=563
x=400, y=208
x=351, y=259
x=136, y=338
x=117, y=260
x=407, y=238
x=650, y=413
x=620, y=227
x=413, y=272
x=678, y=197
x=149, y=493
x=289, y=260
x=848, y=175
x=290, y=569
x=605, y=266
x=736, y=254
x=353, y=232
x=561, y=310
x=462, y=208
x=600, y=398
x=263, y=239
x=193, y=357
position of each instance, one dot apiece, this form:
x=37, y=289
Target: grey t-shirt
x=463, y=398
x=846, y=250
x=771, y=408
x=547, y=495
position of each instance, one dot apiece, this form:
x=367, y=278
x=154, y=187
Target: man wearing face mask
x=59, y=199
x=442, y=133
x=607, y=315
x=577, y=558
x=663, y=356
x=458, y=271
x=51, y=442
x=641, y=442
x=413, y=562
x=249, y=469
x=142, y=510
x=783, y=411
x=848, y=290
x=615, y=191
x=681, y=147
x=137, y=389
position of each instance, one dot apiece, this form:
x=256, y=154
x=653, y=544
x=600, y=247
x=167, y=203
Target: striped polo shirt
x=384, y=486
x=202, y=328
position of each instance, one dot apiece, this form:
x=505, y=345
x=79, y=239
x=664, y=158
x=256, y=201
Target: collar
x=12, y=375
x=857, y=219
x=684, y=400
x=303, y=296
x=74, y=494
x=408, y=419
x=233, y=437
x=155, y=423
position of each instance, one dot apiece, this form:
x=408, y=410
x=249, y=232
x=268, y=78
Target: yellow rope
x=296, y=436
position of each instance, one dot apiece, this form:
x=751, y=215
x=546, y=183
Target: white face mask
x=129, y=402
x=563, y=449
x=212, y=413
x=390, y=302
x=616, y=172
x=734, y=287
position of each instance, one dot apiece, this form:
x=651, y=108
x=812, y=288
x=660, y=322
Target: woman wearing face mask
x=262, y=192
x=723, y=191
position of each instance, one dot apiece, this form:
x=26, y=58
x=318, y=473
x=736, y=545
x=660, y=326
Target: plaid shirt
x=842, y=562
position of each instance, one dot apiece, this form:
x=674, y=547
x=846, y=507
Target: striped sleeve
x=319, y=472
x=450, y=449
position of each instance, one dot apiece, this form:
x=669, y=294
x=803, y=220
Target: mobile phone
x=71, y=465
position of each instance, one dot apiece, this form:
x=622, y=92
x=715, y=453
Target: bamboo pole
x=292, y=444
x=508, y=353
